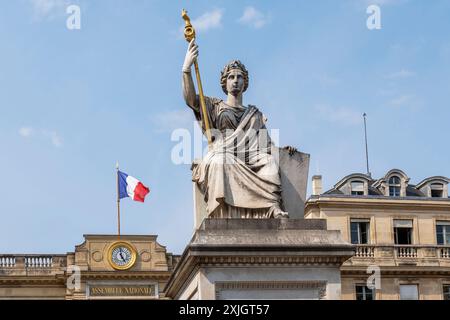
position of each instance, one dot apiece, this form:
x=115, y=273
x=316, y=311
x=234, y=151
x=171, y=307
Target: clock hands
x=121, y=255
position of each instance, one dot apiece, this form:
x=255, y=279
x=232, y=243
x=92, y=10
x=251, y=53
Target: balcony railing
x=421, y=254
x=7, y=261
x=32, y=262
x=365, y=251
x=39, y=262
x=444, y=253
x=406, y=252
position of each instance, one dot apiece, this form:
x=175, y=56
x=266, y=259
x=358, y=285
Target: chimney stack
x=316, y=185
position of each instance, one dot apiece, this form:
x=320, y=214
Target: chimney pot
x=316, y=185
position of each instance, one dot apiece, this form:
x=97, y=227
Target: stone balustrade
x=444, y=253
x=365, y=251
x=403, y=252
x=406, y=252
x=7, y=261
x=39, y=262
x=32, y=262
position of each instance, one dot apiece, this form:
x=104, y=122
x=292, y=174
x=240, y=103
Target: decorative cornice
x=345, y=201
x=61, y=278
x=397, y=271
x=264, y=261
x=40, y=281
x=163, y=275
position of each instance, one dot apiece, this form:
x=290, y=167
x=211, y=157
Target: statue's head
x=234, y=78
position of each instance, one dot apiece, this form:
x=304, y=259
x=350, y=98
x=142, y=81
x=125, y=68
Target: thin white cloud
x=26, y=132
x=45, y=9
x=208, y=20
x=402, y=100
x=171, y=120
x=339, y=115
x=254, y=18
x=401, y=74
x=54, y=137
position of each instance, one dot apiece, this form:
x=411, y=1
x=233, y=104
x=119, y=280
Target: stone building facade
x=401, y=232
x=87, y=272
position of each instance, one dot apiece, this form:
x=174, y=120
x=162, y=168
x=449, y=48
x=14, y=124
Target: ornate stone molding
x=97, y=256
x=321, y=286
x=233, y=261
x=397, y=271
x=145, y=255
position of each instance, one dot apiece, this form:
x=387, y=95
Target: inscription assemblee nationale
x=122, y=291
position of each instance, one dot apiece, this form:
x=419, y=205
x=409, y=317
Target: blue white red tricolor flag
x=131, y=187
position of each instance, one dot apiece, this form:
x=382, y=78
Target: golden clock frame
x=130, y=247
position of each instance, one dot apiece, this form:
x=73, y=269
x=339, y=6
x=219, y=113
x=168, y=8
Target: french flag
x=131, y=187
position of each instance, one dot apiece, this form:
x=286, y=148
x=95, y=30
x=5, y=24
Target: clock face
x=122, y=255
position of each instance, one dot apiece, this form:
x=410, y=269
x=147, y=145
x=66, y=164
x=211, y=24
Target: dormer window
x=394, y=186
x=437, y=190
x=357, y=188
x=435, y=187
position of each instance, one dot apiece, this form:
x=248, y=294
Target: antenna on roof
x=367, y=148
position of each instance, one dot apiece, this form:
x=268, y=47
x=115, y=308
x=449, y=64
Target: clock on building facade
x=122, y=255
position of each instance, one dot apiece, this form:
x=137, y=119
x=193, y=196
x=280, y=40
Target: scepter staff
x=189, y=34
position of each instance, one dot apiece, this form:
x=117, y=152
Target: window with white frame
x=443, y=232
x=409, y=292
x=359, y=229
x=394, y=186
x=357, y=188
x=364, y=293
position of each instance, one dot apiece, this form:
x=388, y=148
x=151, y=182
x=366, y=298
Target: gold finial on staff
x=189, y=34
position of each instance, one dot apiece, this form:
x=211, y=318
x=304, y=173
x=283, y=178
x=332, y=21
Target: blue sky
x=73, y=102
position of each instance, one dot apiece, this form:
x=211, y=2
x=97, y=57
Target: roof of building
x=375, y=186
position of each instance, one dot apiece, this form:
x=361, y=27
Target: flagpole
x=118, y=201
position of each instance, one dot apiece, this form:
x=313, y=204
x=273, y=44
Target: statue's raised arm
x=189, y=94
x=189, y=34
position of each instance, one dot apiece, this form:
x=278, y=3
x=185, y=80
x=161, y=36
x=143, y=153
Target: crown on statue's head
x=233, y=65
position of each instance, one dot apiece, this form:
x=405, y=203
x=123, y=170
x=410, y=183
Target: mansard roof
x=375, y=186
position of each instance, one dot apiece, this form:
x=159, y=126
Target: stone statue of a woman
x=239, y=176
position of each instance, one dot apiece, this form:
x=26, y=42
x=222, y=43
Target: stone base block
x=261, y=259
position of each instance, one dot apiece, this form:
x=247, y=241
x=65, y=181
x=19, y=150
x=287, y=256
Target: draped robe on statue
x=239, y=176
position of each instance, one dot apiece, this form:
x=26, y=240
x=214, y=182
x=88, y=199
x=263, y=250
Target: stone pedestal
x=260, y=259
